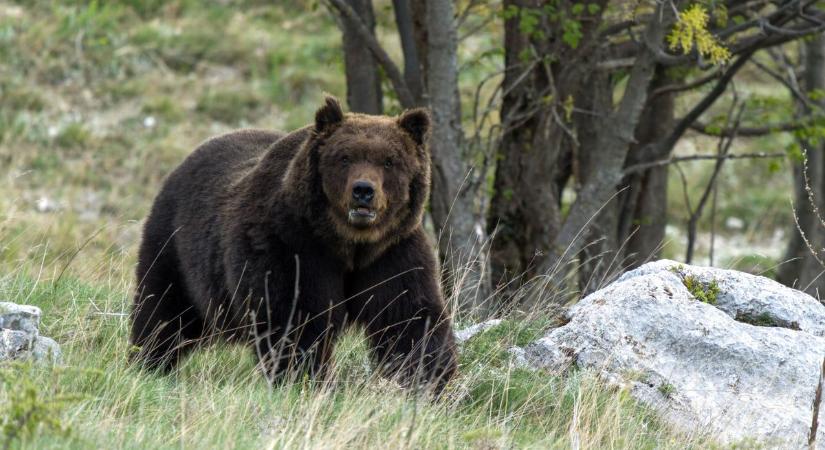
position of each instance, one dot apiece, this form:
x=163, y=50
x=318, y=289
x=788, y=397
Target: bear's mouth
x=361, y=216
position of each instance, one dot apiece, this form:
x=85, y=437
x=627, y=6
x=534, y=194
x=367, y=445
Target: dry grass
x=98, y=102
x=217, y=399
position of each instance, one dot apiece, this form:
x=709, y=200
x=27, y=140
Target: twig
x=665, y=162
x=810, y=191
x=817, y=402
x=74, y=255
x=686, y=86
x=805, y=237
x=713, y=205
x=722, y=149
x=791, y=84
x=749, y=131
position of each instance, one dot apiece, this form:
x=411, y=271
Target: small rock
x=20, y=336
x=519, y=357
x=467, y=333
x=46, y=349
x=14, y=344
x=45, y=205
x=734, y=223
x=23, y=318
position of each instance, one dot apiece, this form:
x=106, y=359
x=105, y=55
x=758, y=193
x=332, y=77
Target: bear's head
x=372, y=171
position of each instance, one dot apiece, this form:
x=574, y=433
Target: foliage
x=667, y=389
x=691, y=30
x=704, y=292
x=568, y=19
x=763, y=319
x=25, y=410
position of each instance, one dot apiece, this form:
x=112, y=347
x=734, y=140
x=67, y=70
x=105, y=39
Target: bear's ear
x=328, y=115
x=416, y=122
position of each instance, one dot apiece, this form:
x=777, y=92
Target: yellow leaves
x=692, y=30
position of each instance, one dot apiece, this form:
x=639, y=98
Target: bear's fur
x=252, y=213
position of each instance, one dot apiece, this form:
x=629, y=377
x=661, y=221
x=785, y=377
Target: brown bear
x=283, y=241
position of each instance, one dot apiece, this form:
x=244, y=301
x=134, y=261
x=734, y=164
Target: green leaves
x=572, y=33
x=26, y=410
x=567, y=19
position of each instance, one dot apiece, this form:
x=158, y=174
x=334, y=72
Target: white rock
x=519, y=357
x=46, y=349
x=464, y=335
x=692, y=362
x=750, y=298
x=734, y=223
x=19, y=317
x=20, y=336
x=45, y=205
x=14, y=344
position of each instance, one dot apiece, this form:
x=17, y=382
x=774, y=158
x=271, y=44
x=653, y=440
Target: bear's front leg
x=398, y=300
x=294, y=330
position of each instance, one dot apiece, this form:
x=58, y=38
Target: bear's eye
x=345, y=159
x=388, y=164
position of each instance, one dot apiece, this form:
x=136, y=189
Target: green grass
x=217, y=399
x=78, y=80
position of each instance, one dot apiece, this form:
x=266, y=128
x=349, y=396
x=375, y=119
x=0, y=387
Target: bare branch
x=663, y=147
x=700, y=127
x=791, y=84
x=817, y=402
x=393, y=73
x=722, y=149
x=687, y=86
x=618, y=63
x=665, y=162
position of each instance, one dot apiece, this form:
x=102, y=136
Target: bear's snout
x=364, y=195
x=363, y=192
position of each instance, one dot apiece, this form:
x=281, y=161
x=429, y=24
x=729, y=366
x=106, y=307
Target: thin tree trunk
x=451, y=203
x=601, y=244
x=418, y=14
x=412, y=64
x=630, y=230
x=363, y=80
x=644, y=204
x=801, y=269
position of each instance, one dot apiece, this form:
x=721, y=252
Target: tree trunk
x=418, y=14
x=801, y=269
x=613, y=142
x=630, y=229
x=601, y=243
x=363, y=79
x=409, y=47
x=536, y=146
x=451, y=203
x=644, y=202
x=524, y=211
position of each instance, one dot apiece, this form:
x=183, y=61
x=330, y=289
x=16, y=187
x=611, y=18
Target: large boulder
x=20, y=335
x=712, y=351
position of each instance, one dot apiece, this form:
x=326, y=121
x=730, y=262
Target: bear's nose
x=363, y=191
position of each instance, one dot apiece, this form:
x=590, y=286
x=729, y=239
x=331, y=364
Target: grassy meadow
x=98, y=102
